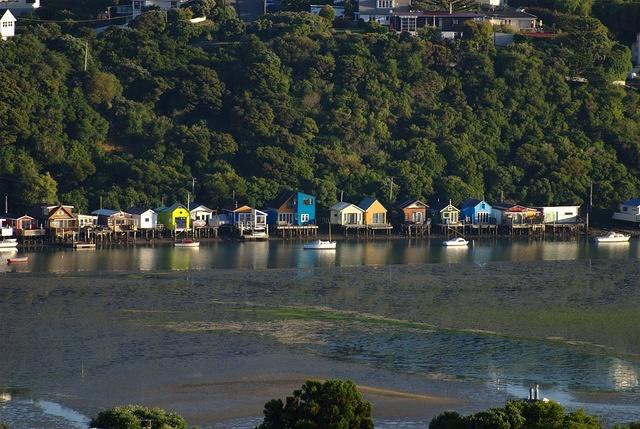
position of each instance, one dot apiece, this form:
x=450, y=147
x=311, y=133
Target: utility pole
x=86, y=54
x=193, y=187
x=390, y=189
x=6, y=203
x=341, y=195
x=589, y=206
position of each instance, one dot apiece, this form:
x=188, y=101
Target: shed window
x=146, y=219
x=624, y=209
x=568, y=213
x=308, y=202
x=304, y=217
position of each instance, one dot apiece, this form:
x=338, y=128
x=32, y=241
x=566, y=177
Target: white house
x=87, y=220
x=629, y=211
x=165, y=4
x=560, y=214
x=20, y=7
x=143, y=218
x=344, y=213
x=5, y=230
x=200, y=215
x=7, y=24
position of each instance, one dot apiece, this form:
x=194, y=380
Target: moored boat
x=320, y=245
x=458, y=241
x=18, y=260
x=186, y=243
x=8, y=244
x=613, y=237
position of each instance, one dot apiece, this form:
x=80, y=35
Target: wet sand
x=215, y=345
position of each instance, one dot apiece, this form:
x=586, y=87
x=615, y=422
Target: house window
x=385, y=4
x=285, y=218
x=378, y=218
x=408, y=24
x=308, y=202
x=304, y=218
x=146, y=219
x=483, y=205
x=624, y=209
x=568, y=214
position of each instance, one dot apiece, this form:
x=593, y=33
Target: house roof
x=105, y=212
x=52, y=209
x=193, y=206
x=171, y=208
x=343, y=205
x=513, y=208
x=137, y=210
x=510, y=13
x=412, y=201
x=366, y=202
x=15, y=216
x=632, y=202
x=6, y=15
x=441, y=205
x=282, y=198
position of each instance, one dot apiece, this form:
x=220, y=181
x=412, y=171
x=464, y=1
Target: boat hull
x=18, y=260
x=612, y=239
x=451, y=243
x=320, y=245
x=194, y=244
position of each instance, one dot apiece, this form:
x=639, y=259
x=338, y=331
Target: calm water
x=278, y=254
x=215, y=332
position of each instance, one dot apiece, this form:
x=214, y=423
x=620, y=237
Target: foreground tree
x=137, y=417
x=334, y=404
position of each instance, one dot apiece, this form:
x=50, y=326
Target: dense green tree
x=136, y=417
x=332, y=404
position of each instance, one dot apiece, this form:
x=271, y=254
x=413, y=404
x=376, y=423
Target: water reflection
x=290, y=254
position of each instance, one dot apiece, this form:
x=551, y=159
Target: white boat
x=186, y=243
x=613, y=237
x=320, y=245
x=8, y=244
x=455, y=242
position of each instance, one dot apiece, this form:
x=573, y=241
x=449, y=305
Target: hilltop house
x=116, y=220
x=20, y=7
x=413, y=211
x=629, y=211
x=476, y=211
x=516, y=19
x=515, y=214
x=165, y=4
x=449, y=24
x=175, y=217
x=560, y=214
x=7, y=24
x=381, y=11
x=292, y=208
x=374, y=212
x=445, y=214
x=200, y=215
x=143, y=218
x=346, y=214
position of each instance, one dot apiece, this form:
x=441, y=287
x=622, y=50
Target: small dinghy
x=18, y=260
x=455, y=242
x=320, y=245
x=186, y=243
x=613, y=237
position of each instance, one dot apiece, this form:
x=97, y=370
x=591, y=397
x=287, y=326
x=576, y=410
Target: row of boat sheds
x=293, y=214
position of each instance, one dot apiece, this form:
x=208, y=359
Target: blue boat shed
x=292, y=209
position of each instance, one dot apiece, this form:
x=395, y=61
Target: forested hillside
x=289, y=103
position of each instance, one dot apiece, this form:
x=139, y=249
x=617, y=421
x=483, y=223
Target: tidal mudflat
x=214, y=345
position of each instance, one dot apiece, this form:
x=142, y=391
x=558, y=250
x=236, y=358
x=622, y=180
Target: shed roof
x=105, y=212
x=194, y=205
x=343, y=205
x=632, y=202
x=138, y=210
x=411, y=201
x=282, y=198
x=366, y=202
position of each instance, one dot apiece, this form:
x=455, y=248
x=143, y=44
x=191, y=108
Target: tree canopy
x=286, y=102
x=333, y=404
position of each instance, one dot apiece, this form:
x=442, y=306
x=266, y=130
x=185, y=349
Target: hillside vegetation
x=287, y=102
